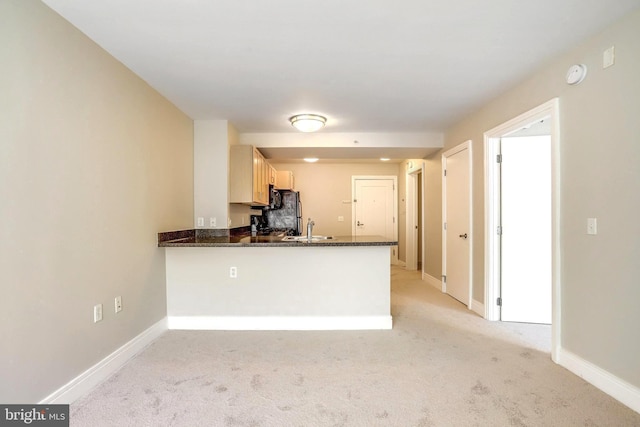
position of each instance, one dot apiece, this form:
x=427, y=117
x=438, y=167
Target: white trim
x=279, y=323
x=401, y=264
x=492, y=248
x=467, y=145
x=615, y=387
x=86, y=381
x=436, y=283
x=477, y=307
x=396, y=220
x=492, y=220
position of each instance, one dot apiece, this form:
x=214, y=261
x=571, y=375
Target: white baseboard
x=401, y=263
x=619, y=389
x=279, y=323
x=86, y=381
x=477, y=307
x=436, y=283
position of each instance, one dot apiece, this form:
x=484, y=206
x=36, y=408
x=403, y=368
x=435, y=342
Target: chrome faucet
x=310, y=225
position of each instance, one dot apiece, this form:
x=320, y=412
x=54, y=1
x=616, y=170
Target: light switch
x=609, y=57
x=592, y=226
x=341, y=219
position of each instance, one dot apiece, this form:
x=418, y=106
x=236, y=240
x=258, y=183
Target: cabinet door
x=264, y=183
x=255, y=187
x=258, y=165
x=272, y=175
x=260, y=178
x=247, y=176
x=285, y=180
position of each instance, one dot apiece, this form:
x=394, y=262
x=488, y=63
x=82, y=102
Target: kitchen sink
x=304, y=238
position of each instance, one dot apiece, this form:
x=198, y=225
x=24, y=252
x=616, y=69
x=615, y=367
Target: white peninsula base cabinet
x=310, y=287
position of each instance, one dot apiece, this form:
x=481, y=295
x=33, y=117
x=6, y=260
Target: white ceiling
x=368, y=66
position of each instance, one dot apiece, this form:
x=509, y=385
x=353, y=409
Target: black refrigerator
x=287, y=214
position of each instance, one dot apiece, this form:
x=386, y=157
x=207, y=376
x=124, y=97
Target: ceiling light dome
x=307, y=122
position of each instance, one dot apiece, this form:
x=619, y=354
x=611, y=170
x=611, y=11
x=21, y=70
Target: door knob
x=464, y=236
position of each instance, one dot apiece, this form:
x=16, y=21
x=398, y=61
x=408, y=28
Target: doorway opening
x=510, y=212
x=414, y=250
x=418, y=214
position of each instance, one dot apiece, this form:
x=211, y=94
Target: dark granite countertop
x=218, y=238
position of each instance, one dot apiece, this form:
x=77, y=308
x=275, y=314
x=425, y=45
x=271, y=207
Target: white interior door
x=374, y=209
x=526, y=229
x=457, y=217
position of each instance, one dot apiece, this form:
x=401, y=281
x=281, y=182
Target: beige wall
x=600, y=172
x=324, y=187
x=433, y=216
x=93, y=164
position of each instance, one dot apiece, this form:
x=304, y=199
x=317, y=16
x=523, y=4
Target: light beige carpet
x=441, y=365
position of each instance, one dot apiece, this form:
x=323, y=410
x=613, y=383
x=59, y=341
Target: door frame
x=458, y=148
x=413, y=169
x=492, y=214
x=394, y=178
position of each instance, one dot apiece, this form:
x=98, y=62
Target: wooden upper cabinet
x=272, y=174
x=285, y=180
x=248, y=176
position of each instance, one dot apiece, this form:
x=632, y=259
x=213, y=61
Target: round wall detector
x=576, y=74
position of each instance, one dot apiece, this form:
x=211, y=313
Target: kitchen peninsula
x=244, y=282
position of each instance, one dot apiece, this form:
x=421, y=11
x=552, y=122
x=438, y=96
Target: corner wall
x=599, y=158
x=93, y=164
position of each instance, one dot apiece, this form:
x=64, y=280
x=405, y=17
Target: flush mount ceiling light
x=307, y=122
x=310, y=159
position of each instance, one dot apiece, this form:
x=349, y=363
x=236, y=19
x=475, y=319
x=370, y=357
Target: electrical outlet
x=200, y=221
x=592, y=226
x=233, y=272
x=118, y=304
x=97, y=313
x=212, y=222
